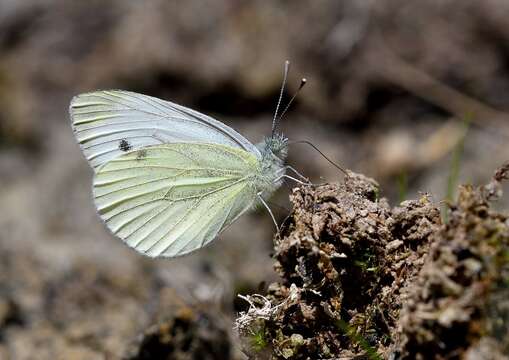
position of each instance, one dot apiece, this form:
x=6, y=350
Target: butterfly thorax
x=273, y=151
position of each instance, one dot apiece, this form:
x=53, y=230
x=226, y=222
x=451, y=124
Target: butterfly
x=168, y=179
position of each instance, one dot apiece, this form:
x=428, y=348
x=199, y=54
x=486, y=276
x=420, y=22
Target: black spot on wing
x=124, y=145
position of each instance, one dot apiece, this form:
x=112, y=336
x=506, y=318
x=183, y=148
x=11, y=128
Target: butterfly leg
x=291, y=178
x=268, y=209
x=302, y=177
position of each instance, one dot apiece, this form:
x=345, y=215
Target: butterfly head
x=275, y=145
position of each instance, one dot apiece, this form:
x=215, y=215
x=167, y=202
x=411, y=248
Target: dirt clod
x=362, y=280
x=460, y=301
x=343, y=262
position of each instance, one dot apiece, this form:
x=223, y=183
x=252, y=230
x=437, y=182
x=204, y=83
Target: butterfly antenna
x=321, y=153
x=285, y=75
x=302, y=83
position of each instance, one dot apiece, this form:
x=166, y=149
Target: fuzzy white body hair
x=273, y=151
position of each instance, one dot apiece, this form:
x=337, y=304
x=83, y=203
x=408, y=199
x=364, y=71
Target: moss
x=258, y=340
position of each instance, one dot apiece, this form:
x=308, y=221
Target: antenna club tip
x=287, y=62
x=303, y=82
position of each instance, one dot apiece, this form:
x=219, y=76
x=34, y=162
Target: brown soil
x=362, y=280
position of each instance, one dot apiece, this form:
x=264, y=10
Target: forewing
x=168, y=200
x=107, y=123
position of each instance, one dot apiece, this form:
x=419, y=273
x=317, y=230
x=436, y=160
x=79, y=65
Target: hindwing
x=168, y=200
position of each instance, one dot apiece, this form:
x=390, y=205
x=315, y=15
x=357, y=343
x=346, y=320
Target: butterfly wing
x=108, y=123
x=168, y=200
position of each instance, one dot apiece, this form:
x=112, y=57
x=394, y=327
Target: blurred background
x=413, y=94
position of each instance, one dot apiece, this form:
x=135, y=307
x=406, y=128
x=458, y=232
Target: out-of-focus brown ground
x=389, y=84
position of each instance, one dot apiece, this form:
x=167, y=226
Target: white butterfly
x=169, y=179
